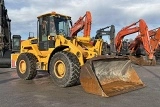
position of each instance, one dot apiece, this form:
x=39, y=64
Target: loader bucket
x=143, y=60
x=109, y=76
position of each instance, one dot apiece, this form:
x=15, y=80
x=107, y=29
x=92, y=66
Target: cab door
x=43, y=33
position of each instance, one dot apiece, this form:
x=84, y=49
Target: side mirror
x=16, y=43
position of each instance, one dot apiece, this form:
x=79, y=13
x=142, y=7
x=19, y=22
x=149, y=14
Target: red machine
x=144, y=36
x=83, y=23
x=154, y=40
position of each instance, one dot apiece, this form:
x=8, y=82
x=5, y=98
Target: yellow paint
x=59, y=69
x=53, y=14
x=22, y=66
x=79, y=46
x=14, y=56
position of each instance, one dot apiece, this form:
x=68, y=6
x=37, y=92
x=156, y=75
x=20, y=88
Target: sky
x=120, y=13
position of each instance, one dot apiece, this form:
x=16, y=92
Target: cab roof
x=53, y=14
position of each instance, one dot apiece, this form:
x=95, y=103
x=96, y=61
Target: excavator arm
x=144, y=35
x=122, y=33
x=111, y=33
x=154, y=40
x=83, y=23
x=102, y=32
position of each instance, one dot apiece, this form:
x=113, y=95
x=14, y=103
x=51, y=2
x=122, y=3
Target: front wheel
x=26, y=66
x=64, y=69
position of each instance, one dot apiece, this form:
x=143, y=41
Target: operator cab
x=50, y=25
x=16, y=43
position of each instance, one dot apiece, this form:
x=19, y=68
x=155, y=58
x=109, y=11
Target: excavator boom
x=154, y=36
x=144, y=35
x=154, y=40
x=107, y=49
x=82, y=24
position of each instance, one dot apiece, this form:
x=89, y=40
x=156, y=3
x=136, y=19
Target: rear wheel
x=64, y=69
x=26, y=66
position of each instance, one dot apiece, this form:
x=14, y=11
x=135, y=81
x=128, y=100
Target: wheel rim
x=22, y=66
x=59, y=69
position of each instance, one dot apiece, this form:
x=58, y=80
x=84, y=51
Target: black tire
x=30, y=60
x=72, y=69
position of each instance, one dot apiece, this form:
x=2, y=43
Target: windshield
x=62, y=26
x=16, y=44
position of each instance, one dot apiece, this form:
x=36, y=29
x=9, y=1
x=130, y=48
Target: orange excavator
x=154, y=36
x=155, y=39
x=83, y=23
x=143, y=39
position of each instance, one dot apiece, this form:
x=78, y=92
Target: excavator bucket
x=109, y=76
x=143, y=60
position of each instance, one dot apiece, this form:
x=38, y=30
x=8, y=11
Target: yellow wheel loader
x=72, y=59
